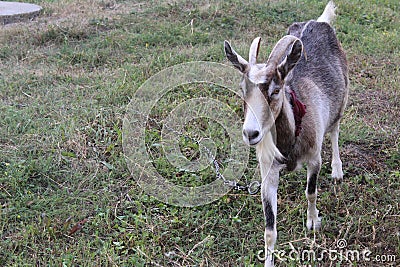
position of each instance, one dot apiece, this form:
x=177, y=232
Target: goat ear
x=291, y=59
x=237, y=61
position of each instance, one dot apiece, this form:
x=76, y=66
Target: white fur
x=269, y=190
x=267, y=151
x=254, y=115
x=313, y=220
x=337, y=172
x=270, y=239
x=257, y=73
x=256, y=104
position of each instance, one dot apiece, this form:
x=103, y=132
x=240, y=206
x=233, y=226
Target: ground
x=67, y=195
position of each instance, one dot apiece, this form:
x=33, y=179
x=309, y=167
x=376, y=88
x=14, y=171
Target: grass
x=67, y=197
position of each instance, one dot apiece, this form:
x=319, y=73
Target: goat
x=297, y=97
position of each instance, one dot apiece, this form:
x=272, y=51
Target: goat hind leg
x=337, y=172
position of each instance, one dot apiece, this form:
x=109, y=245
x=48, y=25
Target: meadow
x=68, y=196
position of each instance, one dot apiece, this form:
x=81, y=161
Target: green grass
x=66, y=80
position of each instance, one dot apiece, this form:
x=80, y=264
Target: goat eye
x=276, y=91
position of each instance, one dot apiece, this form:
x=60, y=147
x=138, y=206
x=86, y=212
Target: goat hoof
x=337, y=174
x=337, y=181
x=314, y=223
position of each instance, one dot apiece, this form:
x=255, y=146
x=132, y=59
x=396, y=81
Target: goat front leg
x=313, y=168
x=269, y=191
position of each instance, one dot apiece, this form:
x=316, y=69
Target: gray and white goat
x=302, y=90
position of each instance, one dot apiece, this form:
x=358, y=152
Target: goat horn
x=255, y=45
x=280, y=48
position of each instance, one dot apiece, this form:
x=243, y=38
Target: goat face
x=263, y=97
x=263, y=85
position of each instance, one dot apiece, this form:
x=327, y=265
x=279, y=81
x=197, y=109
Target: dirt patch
x=363, y=159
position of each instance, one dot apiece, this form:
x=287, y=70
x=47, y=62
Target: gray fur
x=320, y=80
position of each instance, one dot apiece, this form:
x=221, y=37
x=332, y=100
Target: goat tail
x=328, y=15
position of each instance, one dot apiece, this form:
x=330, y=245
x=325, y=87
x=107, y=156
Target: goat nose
x=251, y=134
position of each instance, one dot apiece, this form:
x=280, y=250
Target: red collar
x=299, y=110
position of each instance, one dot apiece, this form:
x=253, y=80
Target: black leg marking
x=312, y=184
x=269, y=215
